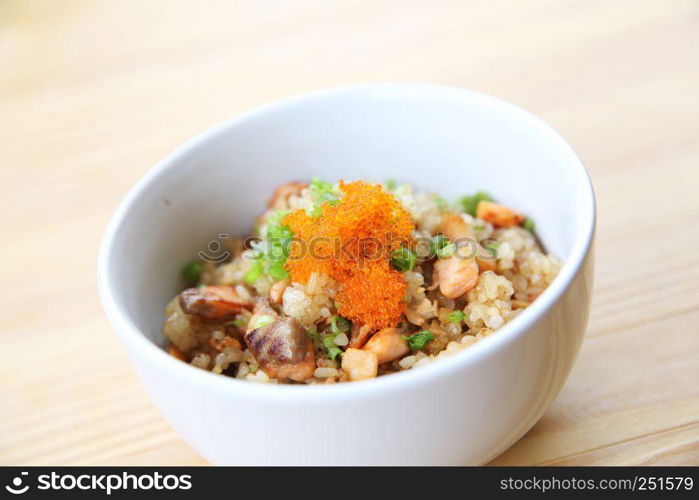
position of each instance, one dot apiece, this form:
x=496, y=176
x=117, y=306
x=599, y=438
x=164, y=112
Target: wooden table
x=93, y=93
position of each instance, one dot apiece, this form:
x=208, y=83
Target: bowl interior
x=446, y=140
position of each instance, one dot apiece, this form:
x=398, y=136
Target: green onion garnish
x=239, y=322
x=329, y=344
x=469, y=204
x=446, y=251
x=263, y=321
x=403, y=259
x=419, y=340
x=529, y=225
x=271, y=261
x=191, y=273
x=255, y=272
x=438, y=243
x=321, y=192
x=456, y=316
x=338, y=324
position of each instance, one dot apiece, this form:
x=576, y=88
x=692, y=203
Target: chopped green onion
x=313, y=333
x=419, y=340
x=277, y=270
x=271, y=261
x=440, y=202
x=278, y=237
x=456, y=316
x=390, y=184
x=469, y=204
x=529, y=225
x=329, y=344
x=437, y=243
x=321, y=192
x=403, y=259
x=239, y=322
x=263, y=321
x=191, y=272
x=492, y=246
x=338, y=324
x=315, y=209
x=402, y=190
x=446, y=251
x=255, y=272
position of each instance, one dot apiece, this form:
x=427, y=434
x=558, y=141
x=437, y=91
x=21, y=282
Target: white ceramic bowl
x=465, y=409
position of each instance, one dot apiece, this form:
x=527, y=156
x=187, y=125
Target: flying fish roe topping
x=352, y=242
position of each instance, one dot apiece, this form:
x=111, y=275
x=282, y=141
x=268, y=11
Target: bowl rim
x=131, y=335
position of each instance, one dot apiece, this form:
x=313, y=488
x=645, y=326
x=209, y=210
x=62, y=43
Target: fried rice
x=440, y=278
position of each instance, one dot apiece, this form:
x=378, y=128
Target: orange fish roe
x=352, y=242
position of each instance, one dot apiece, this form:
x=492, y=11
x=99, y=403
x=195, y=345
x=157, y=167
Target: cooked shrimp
x=283, y=350
x=455, y=275
x=217, y=303
x=276, y=290
x=359, y=364
x=498, y=215
x=387, y=344
x=454, y=226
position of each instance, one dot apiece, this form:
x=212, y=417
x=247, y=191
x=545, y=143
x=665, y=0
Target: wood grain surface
x=93, y=93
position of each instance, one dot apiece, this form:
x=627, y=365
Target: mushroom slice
x=216, y=303
x=283, y=350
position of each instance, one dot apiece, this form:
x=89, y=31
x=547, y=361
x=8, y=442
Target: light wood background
x=93, y=93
